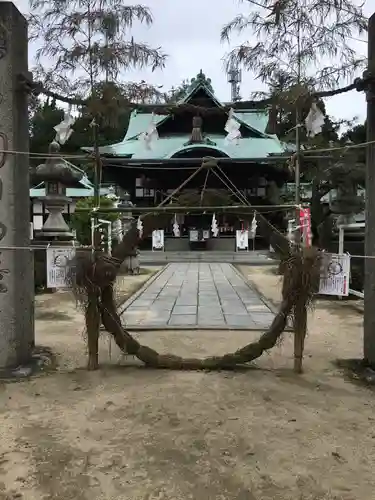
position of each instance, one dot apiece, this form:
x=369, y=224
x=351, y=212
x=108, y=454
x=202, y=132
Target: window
x=37, y=222
x=144, y=193
x=52, y=188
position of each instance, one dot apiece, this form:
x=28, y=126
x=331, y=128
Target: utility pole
x=298, y=117
x=368, y=84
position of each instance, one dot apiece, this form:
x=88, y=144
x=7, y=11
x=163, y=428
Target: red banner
x=305, y=224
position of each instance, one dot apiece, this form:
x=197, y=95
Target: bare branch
x=323, y=28
x=85, y=42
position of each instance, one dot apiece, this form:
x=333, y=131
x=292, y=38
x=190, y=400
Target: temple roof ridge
x=200, y=81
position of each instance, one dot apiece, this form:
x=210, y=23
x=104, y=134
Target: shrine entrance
x=216, y=216
x=164, y=146
x=197, y=227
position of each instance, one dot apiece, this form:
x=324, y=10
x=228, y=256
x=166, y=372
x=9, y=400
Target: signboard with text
x=58, y=266
x=242, y=240
x=335, y=274
x=158, y=239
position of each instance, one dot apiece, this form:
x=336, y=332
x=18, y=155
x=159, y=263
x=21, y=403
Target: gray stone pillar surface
x=16, y=265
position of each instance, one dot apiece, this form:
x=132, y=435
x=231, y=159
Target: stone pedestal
x=16, y=265
x=55, y=230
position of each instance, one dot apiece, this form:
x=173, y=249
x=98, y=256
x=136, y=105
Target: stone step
x=253, y=258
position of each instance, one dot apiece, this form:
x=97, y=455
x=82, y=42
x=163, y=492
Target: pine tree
x=302, y=46
x=307, y=41
x=86, y=46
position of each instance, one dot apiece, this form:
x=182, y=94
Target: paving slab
x=198, y=295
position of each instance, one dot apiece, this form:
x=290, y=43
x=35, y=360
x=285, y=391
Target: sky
x=189, y=33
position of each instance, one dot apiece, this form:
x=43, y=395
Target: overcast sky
x=189, y=32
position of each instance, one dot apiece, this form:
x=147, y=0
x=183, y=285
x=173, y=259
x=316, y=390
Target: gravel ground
x=124, y=432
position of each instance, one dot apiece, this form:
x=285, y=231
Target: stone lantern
x=57, y=176
x=131, y=263
x=347, y=203
x=126, y=217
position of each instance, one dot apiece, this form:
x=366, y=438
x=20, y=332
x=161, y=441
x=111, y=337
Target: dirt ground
x=125, y=432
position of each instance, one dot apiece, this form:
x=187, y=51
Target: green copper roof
x=139, y=122
x=257, y=119
x=167, y=147
x=70, y=192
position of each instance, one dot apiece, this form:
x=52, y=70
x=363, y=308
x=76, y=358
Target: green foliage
x=85, y=45
x=177, y=93
x=81, y=221
x=44, y=116
x=308, y=41
x=355, y=134
x=91, y=36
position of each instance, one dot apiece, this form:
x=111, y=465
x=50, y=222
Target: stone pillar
x=16, y=265
x=126, y=217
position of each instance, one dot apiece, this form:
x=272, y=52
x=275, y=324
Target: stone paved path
x=197, y=295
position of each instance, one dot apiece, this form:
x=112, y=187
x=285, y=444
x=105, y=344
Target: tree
x=88, y=42
x=81, y=221
x=356, y=134
x=301, y=46
x=177, y=93
x=302, y=39
x=43, y=118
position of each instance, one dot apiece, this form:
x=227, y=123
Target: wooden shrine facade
x=162, y=148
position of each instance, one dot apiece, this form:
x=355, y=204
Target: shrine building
x=165, y=144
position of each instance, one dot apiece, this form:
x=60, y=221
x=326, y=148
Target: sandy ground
x=128, y=433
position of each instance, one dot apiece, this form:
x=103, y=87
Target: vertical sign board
x=57, y=266
x=193, y=235
x=335, y=274
x=242, y=240
x=158, y=240
x=305, y=224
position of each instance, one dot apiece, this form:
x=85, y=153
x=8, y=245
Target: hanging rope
x=204, y=186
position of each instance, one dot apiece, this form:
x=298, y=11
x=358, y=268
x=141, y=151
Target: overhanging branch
x=38, y=88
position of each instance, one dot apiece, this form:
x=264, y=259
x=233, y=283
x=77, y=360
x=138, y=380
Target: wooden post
x=300, y=312
x=300, y=330
x=369, y=299
x=93, y=320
